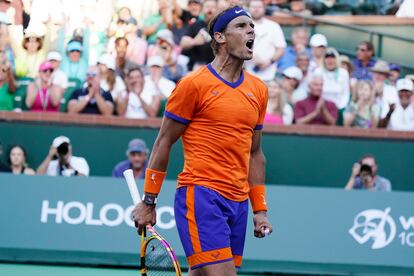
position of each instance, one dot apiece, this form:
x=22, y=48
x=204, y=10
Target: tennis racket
x=157, y=256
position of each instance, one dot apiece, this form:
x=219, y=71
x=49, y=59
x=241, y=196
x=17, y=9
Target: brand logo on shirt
x=215, y=255
x=239, y=11
x=250, y=95
x=215, y=93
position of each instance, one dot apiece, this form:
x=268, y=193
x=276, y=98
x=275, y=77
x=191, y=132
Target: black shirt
x=92, y=106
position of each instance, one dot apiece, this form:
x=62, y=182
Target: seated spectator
x=395, y=72
x=400, y=116
x=186, y=18
x=335, y=79
x=318, y=43
x=278, y=111
x=17, y=161
x=59, y=78
x=60, y=161
x=137, y=160
x=7, y=87
x=31, y=49
x=299, y=38
x=131, y=103
x=196, y=40
x=364, y=61
x=314, y=109
x=161, y=20
x=109, y=81
x=362, y=111
x=121, y=60
x=121, y=22
x=365, y=176
x=155, y=83
x=292, y=77
x=42, y=95
x=345, y=63
x=303, y=63
x=91, y=99
x=269, y=44
x=385, y=93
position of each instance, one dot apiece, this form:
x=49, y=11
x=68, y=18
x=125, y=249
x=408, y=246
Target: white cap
x=35, y=29
x=318, y=40
x=405, y=84
x=156, y=61
x=60, y=140
x=54, y=55
x=108, y=61
x=293, y=72
x=166, y=35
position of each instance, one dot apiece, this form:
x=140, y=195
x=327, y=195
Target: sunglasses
x=47, y=71
x=91, y=74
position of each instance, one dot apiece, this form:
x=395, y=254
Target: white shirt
x=335, y=86
x=135, y=110
x=77, y=163
x=287, y=114
x=60, y=78
x=119, y=87
x=165, y=85
x=406, y=9
x=268, y=37
x=401, y=119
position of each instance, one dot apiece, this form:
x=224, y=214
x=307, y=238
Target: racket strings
x=158, y=260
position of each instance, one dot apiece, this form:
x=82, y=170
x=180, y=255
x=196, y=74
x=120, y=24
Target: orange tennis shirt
x=221, y=118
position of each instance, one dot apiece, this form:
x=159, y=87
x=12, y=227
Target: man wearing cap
x=400, y=116
x=314, y=110
x=292, y=78
x=59, y=78
x=137, y=160
x=318, y=43
x=196, y=40
x=91, y=99
x=218, y=110
x=364, y=61
x=385, y=93
x=269, y=44
x=60, y=161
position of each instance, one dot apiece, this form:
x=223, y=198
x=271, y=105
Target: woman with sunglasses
x=42, y=95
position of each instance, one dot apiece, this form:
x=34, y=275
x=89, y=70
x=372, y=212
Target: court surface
x=47, y=270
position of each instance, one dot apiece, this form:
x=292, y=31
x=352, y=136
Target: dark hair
x=38, y=39
x=118, y=39
x=214, y=45
x=133, y=68
x=369, y=45
x=13, y=147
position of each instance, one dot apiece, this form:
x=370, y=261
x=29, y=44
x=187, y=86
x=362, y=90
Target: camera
x=63, y=149
x=365, y=169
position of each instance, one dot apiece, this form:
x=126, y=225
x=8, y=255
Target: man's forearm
x=104, y=107
x=257, y=168
x=350, y=184
x=328, y=117
x=306, y=119
x=42, y=169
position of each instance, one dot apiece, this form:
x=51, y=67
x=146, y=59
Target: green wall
x=291, y=159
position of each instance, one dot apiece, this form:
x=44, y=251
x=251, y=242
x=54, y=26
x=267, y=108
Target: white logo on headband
x=239, y=11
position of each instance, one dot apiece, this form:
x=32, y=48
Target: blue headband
x=228, y=16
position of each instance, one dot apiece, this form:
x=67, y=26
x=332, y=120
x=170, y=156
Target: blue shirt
x=92, y=106
x=380, y=184
x=362, y=72
x=125, y=165
x=289, y=58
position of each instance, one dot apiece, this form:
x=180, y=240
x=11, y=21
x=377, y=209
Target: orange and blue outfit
x=211, y=203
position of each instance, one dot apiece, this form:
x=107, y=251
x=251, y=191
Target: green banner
x=87, y=220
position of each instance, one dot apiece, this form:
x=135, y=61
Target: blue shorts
x=212, y=228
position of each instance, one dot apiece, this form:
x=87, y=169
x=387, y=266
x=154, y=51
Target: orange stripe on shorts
x=192, y=224
x=210, y=256
x=237, y=260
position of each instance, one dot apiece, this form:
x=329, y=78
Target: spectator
x=91, y=99
x=364, y=61
x=42, y=94
x=59, y=78
x=162, y=20
x=365, y=176
x=292, y=77
x=299, y=38
x=335, y=79
x=385, y=93
x=60, y=161
x=76, y=60
x=318, y=43
x=31, y=49
x=400, y=116
x=395, y=72
x=109, y=81
x=131, y=104
x=345, y=63
x=314, y=109
x=137, y=160
x=278, y=111
x=303, y=63
x=269, y=44
x=121, y=22
x=122, y=61
x=7, y=86
x=17, y=161
x=196, y=40
x=362, y=111
x=155, y=83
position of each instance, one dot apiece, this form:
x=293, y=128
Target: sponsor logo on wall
x=379, y=228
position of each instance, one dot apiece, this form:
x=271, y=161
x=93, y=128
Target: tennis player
x=218, y=111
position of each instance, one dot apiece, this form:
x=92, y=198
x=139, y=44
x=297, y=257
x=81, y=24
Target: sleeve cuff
x=176, y=118
x=258, y=127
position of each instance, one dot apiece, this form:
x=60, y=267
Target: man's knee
x=220, y=269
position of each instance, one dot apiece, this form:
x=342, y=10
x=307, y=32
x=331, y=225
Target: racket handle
x=132, y=186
